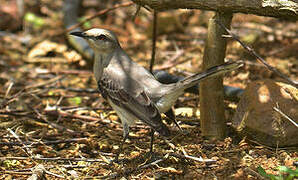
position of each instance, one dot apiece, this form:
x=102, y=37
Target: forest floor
x=52, y=115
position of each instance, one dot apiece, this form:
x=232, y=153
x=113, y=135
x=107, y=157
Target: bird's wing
x=131, y=98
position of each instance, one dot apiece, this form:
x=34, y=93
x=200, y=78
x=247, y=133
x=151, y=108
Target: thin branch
x=172, y=61
x=51, y=81
x=55, y=112
x=285, y=116
x=70, y=115
x=136, y=13
x=154, y=31
x=52, y=159
x=251, y=51
x=65, y=71
x=151, y=164
x=129, y=171
x=79, y=90
x=38, y=172
x=53, y=174
x=31, y=143
x=126, y=4
x=199, y=159
x=7, y=101
x=54, y=125
x=36, y=115
x=25, y=148
x=253, y=173
x=15, y=172
x=8, y=89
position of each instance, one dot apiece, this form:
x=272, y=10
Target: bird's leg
x=170, y=114
x=125, y=137
x=152, y=139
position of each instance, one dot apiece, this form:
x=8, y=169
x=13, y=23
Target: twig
x=115, y=175
x=154, y=31
x=136, y=13
x=171, y=64
x=66, y=114
x=26, y=91
x=15, y=172
x=172, y=61
x=67, y=166
x=38, y=173
x=80, y=90
x=9, y=100
x=52, y=159
x=25, y=147
x=252, y=172
x=98, y=14
x=284, y=115
x=231, y=151
x=250, y=50
x=54, y=80
x=267, y=147
x=129, y=171
x=55, y=112
x=53, y=174
x=199, y=159
x=78, y=140
x=151, y=164
x=54, y=125
x=8, y=89
x=27, y=171
x=69, y=71
x=36, y=115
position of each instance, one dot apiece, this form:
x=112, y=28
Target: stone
x=259, y=114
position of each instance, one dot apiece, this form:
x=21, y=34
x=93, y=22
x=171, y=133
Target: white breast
x=126, y=118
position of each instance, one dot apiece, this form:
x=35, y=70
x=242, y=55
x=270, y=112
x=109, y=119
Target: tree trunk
x=213, y=121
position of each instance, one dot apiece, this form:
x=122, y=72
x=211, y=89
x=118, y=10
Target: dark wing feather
x=134, y=100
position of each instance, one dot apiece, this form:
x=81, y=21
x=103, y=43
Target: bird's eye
x=101, y=37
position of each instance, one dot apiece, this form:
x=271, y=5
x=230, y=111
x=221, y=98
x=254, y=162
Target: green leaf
x=263, y=173
x=288, y=170
x=50, y=93
x=87, y=24
x=11, y=163
x=35, y=20
x=75, y=100
x=29, y=17
x=292, y=173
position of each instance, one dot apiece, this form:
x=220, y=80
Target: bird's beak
x=79, y=34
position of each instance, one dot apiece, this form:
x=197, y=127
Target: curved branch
x=287, y=9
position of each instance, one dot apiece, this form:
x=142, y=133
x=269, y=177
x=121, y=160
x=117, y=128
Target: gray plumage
x=131, y=90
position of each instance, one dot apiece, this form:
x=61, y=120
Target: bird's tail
x=211, y=72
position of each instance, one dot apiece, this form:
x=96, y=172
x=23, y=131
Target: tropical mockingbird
x=131, y=90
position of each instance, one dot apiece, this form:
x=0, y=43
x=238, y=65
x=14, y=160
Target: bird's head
x=100, y=40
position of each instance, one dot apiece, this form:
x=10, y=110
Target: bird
x=130, y=89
